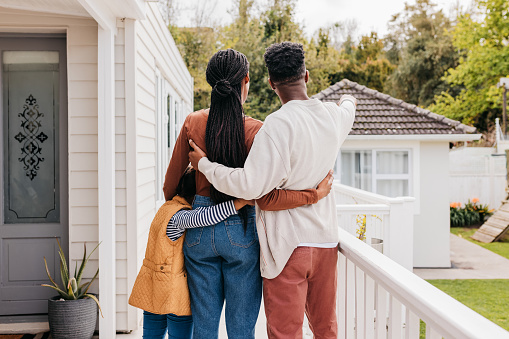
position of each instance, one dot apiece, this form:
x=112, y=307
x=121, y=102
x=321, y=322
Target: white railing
x=387, y=222
x=378, y=298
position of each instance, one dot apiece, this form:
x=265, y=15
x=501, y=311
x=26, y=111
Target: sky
x=370, y=15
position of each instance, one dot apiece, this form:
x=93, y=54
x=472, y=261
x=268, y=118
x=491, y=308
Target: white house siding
x=431, y=231
x=82, y=103
x=154, y=50
x=430, y=173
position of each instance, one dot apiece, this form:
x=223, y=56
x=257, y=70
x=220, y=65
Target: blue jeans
x=155, y=326
x=223, y=264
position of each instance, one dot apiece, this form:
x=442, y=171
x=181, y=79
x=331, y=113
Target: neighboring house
x=398, y=149
x=93, y=96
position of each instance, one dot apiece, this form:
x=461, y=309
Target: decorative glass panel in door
x=34, y=169
x=31, y=87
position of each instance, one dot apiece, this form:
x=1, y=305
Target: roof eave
x=420, y=137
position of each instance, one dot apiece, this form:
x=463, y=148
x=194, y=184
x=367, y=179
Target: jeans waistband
x=201, y=201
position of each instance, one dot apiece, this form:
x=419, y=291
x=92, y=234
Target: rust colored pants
x=308, y=283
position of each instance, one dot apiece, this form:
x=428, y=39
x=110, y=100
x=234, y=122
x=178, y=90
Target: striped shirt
x=199, y=217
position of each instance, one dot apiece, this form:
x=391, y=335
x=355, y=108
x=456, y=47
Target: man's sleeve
x=346, y=115
x=263, y=170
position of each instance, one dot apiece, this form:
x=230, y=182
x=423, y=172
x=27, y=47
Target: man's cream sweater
x=294, y=149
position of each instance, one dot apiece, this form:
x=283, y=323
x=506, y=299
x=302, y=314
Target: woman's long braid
x=224, y=135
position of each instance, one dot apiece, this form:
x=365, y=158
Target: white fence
x=385, y=223
x=476, y=172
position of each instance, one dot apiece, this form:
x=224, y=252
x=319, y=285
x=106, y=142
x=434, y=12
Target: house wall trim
x=131, y=158
x=106, y=181
x=420, y=137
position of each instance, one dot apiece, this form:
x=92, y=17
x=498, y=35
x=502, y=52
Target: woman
x=160, y=289
x=222, y=261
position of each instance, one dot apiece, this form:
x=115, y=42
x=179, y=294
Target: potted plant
x=73, y=313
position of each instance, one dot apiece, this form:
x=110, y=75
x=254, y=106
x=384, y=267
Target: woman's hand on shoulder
x=195, y=154
x=325, y=186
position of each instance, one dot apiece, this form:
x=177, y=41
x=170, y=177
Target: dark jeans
x=223, y=266
x=155, y=326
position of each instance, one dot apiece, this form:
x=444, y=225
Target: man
x=294, y=149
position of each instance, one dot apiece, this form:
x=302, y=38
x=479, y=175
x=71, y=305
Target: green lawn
x=499, y=247
x=487, y=297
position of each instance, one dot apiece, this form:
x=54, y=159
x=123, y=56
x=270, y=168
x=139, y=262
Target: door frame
x=46, y=41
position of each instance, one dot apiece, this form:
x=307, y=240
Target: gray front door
x=33, y=100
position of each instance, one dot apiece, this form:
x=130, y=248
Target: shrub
x=473, y=213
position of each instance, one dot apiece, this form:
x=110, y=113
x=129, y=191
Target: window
x=385, y=172
x=169, y=120
x=175, y=119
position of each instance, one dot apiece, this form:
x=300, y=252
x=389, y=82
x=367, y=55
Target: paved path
x=469, y=261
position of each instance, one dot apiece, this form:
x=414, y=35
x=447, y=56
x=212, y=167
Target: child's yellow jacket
x=161, y=285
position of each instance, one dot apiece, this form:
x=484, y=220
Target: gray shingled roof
x=381, y=114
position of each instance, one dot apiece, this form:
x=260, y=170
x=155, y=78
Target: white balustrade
x=378, y=298
x=378, y=295
x=388, y=222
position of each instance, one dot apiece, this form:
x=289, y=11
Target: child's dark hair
x=186, y=187
x=224, y=135
x=285, y=62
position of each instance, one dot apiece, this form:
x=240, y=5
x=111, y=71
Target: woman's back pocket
x=236, y=234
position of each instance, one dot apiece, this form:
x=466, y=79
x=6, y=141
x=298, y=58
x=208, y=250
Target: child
x=161, y=286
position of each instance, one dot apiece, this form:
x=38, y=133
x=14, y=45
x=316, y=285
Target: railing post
x=399, y=235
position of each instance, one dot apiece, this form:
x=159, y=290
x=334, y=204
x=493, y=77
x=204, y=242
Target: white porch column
x=106, y=181
x=399, y=235
x=134, y=259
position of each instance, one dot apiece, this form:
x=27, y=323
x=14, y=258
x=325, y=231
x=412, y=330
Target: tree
x=365, y=63
x=420, y=43
x=482, y=38
x=277, y=23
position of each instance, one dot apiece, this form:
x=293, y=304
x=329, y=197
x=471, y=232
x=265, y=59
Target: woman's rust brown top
x=194, y=128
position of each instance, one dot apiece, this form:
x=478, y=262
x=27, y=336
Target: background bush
x=473, y=213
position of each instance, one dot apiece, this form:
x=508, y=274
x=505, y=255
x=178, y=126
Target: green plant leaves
x=71, y=286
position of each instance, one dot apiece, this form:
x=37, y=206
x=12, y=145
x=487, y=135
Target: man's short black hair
x=285, y=62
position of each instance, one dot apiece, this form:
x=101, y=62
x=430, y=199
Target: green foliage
x=71, y=288
x=327, y=61
x=473, y=213
x=462, y=217
x=483, y=210
x=365, y=63
x=420, y=43
x=482, y=40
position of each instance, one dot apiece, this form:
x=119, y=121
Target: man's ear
x=306, y=77
x=246, y=78
x=271, y=84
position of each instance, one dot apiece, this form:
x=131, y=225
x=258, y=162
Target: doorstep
x=27, y=324
x=24, y=328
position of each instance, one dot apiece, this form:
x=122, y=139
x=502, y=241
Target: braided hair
x=224, y=134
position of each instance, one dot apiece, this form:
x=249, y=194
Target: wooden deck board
x=496, y=226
